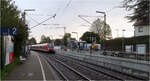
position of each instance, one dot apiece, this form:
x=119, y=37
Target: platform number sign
x=14, y=31
x=8, y=31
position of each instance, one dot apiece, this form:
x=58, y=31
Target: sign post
x=2, y=53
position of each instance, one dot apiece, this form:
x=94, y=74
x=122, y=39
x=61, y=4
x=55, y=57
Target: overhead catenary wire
x=114, y=7
x=111, y=9
x=64, y=9
x=36, y=14
x=32, y=19
x=60, y=6
x=49, y=17
x=67, y=5
x=89, y=16
x=82, y=17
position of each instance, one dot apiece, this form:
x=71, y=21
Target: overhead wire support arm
x=44, y=21
x=80, y=16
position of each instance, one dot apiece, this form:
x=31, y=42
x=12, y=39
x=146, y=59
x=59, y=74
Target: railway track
x=73, y=69
x=85, y=71
x=108, y=73
x=65, y=71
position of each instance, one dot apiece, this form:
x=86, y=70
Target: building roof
x=142, y=22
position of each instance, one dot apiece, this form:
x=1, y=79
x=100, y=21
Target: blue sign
x=8, y=31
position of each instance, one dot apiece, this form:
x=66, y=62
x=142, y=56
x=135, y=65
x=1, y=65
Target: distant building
x=142, y=27
x=71, y=43
x=138, y=44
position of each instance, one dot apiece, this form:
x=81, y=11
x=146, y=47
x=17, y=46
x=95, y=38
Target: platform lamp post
x=77, y=38
x=24, y=17
x=24, y=14
x=64, y=29
x=123, y=39
x=104, y=27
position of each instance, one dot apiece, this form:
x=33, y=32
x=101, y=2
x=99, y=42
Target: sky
x=67, y=12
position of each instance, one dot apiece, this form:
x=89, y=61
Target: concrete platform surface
x=34, y=68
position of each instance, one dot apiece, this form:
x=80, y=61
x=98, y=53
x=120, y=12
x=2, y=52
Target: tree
x=67, y=35
x=90, y=37
x=140, y=9
x=45, y=39
x=98, y=27
x=58, y=42
x=32, y=41
x=20, y=39
x=9, y=14
x=10, y=17
x=48, y=39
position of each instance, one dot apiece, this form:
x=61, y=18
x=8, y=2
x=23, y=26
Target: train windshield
x=50, y=45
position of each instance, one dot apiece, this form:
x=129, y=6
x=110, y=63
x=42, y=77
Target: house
x=142, y=27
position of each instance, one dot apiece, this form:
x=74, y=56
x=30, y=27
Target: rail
x=71, y=69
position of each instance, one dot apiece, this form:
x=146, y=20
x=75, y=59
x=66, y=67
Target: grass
x=9, y=67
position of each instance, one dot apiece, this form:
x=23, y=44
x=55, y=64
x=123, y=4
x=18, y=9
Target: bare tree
x=98, y=27
x=32, y=41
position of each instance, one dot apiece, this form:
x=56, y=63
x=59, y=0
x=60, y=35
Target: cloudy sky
x=67, y=12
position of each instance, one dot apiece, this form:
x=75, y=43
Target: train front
x=51, y=48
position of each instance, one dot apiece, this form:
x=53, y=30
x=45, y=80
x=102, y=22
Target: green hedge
x=9, y=67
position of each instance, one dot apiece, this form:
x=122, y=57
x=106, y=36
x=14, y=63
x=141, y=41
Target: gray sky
x=67, y=12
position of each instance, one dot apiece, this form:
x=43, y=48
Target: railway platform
x=34, y=68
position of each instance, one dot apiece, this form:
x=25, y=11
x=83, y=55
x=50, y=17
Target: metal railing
x=127, y=55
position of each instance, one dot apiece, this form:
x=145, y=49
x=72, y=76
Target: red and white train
x=46, y=47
